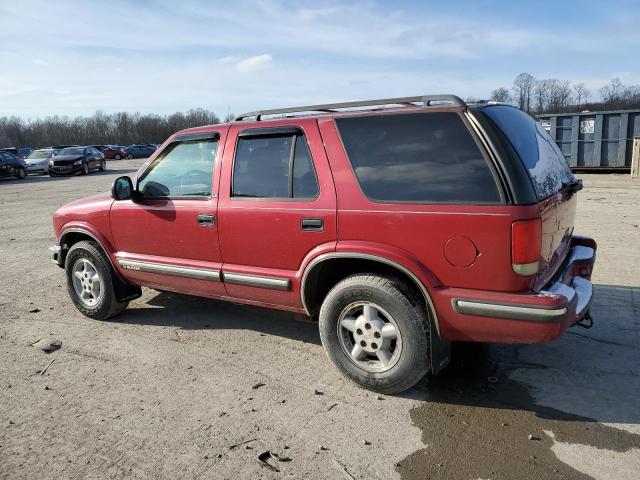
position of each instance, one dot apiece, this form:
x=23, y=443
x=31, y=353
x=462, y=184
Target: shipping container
x=594, y=140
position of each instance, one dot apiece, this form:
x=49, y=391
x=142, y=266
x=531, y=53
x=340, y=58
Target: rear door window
x=538, y=152
x=274, y=166
x=417, y=158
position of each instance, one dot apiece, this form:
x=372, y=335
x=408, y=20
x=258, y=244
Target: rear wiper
x=574, y=186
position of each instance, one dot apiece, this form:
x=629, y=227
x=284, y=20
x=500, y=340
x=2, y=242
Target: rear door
x=277, y=204
x=551, y=177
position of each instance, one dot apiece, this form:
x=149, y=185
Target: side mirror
x=122, y=188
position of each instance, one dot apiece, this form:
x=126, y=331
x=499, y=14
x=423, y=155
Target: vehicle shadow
x=197, y=313
x=583, y=376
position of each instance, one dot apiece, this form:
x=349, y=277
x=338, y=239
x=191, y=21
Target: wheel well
x=326, y=274
x=68, y=240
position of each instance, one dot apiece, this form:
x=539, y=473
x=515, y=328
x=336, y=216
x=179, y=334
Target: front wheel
x=21, y=173
x=89, y=281
x=130, y=156
x=375, y=333
x=117, y=157
x=103, y=165
x=85, y=169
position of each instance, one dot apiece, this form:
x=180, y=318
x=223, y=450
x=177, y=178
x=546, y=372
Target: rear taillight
x=526, y=239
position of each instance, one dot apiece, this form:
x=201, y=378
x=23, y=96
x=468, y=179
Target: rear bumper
x=472, y=315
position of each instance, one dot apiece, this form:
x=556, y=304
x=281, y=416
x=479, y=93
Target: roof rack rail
x=426, y=100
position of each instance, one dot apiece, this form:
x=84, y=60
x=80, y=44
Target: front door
x=277, y=205
x=166, y=236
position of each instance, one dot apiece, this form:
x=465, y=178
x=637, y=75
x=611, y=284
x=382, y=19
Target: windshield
x=36, y=154
x=70, y=151
x=547, y=167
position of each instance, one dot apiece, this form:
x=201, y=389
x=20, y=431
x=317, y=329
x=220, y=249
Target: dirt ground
x=183, y=387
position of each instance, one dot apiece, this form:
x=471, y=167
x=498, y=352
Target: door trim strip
x=273, y=283
x=173, y=270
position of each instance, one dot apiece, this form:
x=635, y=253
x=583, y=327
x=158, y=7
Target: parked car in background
x=38, y=160
x=114, y=151
x=139, y=151
x=12, y=166
x=400, y=229
x=20, y=152
x=72, y=160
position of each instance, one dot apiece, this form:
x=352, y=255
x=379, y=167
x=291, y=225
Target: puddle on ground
x=474, y=428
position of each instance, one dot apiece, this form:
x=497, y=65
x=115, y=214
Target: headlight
x=51, y=162
x=78, y=162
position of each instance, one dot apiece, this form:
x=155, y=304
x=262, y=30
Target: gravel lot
x=171, y=389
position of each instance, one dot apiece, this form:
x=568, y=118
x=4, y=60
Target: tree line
x=101, y=128
x=551, y=95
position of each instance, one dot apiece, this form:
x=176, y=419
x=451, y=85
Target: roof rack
x=425, y=100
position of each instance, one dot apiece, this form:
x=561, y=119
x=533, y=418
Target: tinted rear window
x=541, y=156
x=420, y=158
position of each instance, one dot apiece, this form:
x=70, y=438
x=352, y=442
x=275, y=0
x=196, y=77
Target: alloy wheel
x=369, y=336
x=86, y=282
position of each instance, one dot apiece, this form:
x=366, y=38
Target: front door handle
x=206, y=219
x=312, y=224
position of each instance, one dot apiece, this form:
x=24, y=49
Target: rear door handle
x=312, y=224
x=206, y=219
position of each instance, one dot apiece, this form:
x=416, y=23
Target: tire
x=89, y=255
x=408, y=359
x=85, y=169
x=130, y=156
x=102, y=166
x=117, y=157
x=22, y=173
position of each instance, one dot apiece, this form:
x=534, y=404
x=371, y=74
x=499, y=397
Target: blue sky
x=76, y=57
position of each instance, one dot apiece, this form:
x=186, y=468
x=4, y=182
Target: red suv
x=400, y=224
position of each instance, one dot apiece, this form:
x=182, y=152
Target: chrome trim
x=173, y=270
x=325, y=256
x=258, y=281
x=512, y=312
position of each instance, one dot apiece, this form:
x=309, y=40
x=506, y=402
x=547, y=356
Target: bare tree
x=613, y=92
x=501, y=94
x=523, y=89
x=582, y=94
x=559, y=94
x=541, y=95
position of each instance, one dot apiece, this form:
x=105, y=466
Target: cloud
x=254, y=64
x=40, y=62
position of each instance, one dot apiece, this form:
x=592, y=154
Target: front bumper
x=468, y=315
x=55, y=254
x=65, y=170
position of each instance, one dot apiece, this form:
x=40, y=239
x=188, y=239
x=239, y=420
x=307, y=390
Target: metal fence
x=594, y=139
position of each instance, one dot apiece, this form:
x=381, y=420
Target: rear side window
x=538, y=152
x=420, y=158
x=274, y=166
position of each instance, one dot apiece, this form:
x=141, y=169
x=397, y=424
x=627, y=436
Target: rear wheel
x=90, y=283
x=375, y=333
x=117, y=157
x=21, y=173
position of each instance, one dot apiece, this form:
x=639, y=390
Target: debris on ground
x=332, y=406
x=366, y=442
x=378, y=397
x=534, y=438
x=343, y=470
x=35, y=310
x=47, y=367
x=257, y=386
x=241, y=443
x=317, y=392
x=264, y=460
x=47, y=345
x=323, y=448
